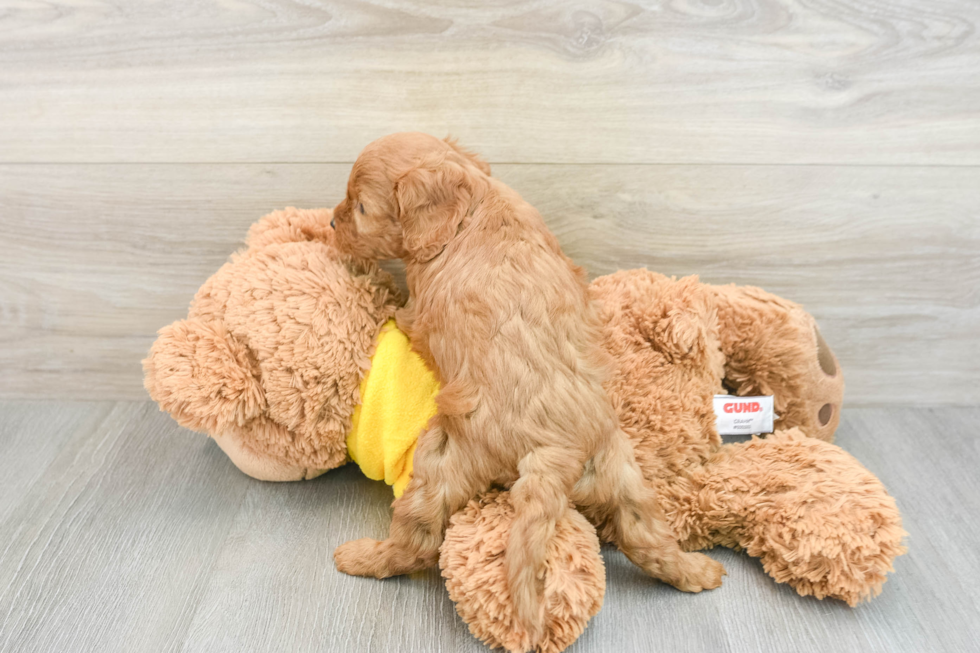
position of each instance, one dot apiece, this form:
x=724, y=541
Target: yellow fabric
x=398, y=397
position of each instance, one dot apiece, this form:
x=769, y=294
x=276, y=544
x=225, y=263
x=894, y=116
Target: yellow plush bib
x=398, y=398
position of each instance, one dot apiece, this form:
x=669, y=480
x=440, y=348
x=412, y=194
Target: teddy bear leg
x=814, y=515
x=773, y=347
x=472, y=560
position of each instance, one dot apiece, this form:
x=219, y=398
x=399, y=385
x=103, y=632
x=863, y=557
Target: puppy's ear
x=472, y=157
x=432, y=201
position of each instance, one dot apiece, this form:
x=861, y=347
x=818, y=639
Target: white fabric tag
x=743, y=415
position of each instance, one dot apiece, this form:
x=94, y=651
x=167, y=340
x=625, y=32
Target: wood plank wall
x=827, y=151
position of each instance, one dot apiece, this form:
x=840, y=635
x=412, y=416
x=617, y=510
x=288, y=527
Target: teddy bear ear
x=675, y=319
x=680, y=332
x=432, y=201
x=291, y=225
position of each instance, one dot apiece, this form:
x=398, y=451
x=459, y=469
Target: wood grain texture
x=98, y=258
x=110, y=546
x=677, y=81
x=138, y=535
x=827, y=151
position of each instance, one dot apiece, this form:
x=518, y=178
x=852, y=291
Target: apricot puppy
x=503, y=317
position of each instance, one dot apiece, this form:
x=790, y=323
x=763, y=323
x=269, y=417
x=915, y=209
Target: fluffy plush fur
x=272, y=353
x=504, y=319
x=473, y=556
x=815, y=517
x=769, y=343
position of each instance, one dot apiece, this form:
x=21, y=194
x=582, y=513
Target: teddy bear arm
x=816, y=518
x=773, y=347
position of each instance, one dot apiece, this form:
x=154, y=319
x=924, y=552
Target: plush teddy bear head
x=271, y=356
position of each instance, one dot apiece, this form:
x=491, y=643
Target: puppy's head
x=406, y=198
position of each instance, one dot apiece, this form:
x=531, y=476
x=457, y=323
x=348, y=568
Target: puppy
x=503, y=318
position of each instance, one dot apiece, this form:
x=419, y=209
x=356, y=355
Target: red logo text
x=752, y=407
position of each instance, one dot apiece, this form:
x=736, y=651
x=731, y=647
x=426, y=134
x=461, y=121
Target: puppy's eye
x=360, y=207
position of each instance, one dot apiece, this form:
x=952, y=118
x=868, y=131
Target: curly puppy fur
x=505, y=320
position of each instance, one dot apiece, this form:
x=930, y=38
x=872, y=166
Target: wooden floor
x=123, y=532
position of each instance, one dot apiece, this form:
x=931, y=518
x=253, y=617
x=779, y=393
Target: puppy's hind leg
x=540, y=498
x=612, y=493
x=442, y=482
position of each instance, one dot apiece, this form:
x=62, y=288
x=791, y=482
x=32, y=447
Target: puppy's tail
x=540, y=499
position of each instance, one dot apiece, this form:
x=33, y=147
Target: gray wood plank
x=275, y=587
x=110, y=548
x=760, y=81
x=141, y=536
x=98, y=258
x=32, y=434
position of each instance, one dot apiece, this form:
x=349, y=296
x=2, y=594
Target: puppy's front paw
x=696, y=572
x=360, y=558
